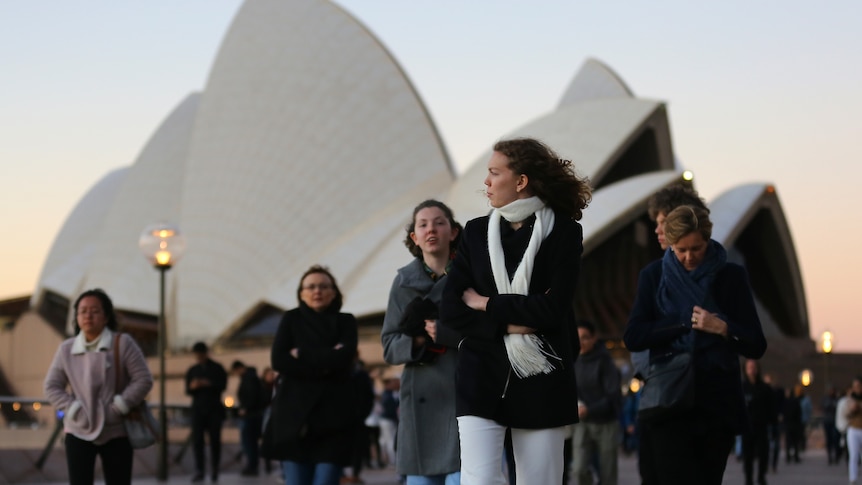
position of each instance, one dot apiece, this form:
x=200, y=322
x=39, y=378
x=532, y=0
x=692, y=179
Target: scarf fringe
x=528, y=355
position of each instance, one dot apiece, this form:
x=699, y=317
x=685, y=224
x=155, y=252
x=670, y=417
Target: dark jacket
x=313, y=409
x=207, y=399
x=760, y=405
x=718, y=389
x=486, y=385
x=250, y=393
x=599, y=385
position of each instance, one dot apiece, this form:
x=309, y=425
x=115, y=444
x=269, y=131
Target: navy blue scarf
x=680, y=290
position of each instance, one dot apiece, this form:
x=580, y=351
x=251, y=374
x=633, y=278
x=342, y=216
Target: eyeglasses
x=321, y=287
x=89, y=312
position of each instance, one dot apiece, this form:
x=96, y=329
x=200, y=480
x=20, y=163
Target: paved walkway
x=813, y=470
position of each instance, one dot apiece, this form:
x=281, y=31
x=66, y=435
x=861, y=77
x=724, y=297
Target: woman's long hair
x=550, y=178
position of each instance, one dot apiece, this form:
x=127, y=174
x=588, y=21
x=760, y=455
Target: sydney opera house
x=309, y=144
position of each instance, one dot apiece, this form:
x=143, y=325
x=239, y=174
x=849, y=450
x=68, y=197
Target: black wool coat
x=718, y=388
x=313, y=410
x=486, y=385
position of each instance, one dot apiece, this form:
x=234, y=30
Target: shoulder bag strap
x=117, y=370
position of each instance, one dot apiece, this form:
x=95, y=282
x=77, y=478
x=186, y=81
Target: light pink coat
x=82, y=385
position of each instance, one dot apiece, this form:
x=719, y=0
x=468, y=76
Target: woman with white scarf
x=509, y=294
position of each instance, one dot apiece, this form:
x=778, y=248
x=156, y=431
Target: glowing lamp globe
x=162, y=244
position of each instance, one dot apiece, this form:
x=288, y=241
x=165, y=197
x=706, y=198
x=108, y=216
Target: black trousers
x=208, y=423
x=755, y=446
x=116, y=458
x=683, y=451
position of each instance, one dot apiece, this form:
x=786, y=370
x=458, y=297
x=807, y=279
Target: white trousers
x=538, y=453
x=854, y=448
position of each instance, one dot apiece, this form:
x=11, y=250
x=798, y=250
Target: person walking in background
x=694, y=300
x=761, y=414
x=205, y=382
x=390, y=400
x=250, y=408
x=427, y=451
x=268, y=380
x=629, y=420
x=509, y=294
x=81, y=383
x=776, y=430
x=363, y=392
x=841, y=423
x=828, y=406
x=854, y=429
x=313, y=412
x=807, y=412
x=793, y=428
x=599, y=402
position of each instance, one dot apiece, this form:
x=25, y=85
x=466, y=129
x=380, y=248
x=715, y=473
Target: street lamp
x=162, y=245
x=826, y=347
x=805, y=377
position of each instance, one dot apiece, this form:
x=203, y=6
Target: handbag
x=141, y=426
x=668, y=387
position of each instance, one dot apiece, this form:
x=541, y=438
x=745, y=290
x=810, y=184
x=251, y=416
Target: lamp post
x=162, y=245
x=826, y=347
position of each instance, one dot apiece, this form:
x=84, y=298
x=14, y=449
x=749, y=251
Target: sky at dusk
x=756, y=92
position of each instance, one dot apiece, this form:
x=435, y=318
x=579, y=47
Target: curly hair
x=550, y=178
x=107, y=308
x=411, y=226
x=337, y=301
x=669, y=198
x=685, y=220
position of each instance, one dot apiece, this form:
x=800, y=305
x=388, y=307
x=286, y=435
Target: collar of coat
x=105, y=341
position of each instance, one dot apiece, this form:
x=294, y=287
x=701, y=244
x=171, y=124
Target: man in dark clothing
x=776, y=430
x=829, y=405
x=761, y=415
x=205, y=382
x=599, y=403
x=250, y=410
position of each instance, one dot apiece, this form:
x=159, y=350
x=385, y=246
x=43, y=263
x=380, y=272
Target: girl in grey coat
x=428, y=451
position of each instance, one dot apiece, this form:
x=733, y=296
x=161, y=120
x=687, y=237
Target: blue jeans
x=449, y=479
x=296, y=473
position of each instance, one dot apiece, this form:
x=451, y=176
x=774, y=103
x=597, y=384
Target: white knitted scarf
x=526, y=351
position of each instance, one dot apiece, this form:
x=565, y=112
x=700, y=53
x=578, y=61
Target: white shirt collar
x=106, y=339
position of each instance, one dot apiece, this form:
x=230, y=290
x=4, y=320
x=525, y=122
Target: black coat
x=759, y=402
x=718, y=389
x=207, y=400
x=486, y=385
x=313, y=409
x=250, y=393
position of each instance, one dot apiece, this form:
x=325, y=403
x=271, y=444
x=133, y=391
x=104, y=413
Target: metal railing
x=32, y=413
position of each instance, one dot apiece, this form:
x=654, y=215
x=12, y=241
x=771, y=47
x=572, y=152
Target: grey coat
x=427, y=428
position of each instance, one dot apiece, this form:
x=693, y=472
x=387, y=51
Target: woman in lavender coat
x=81, y=383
